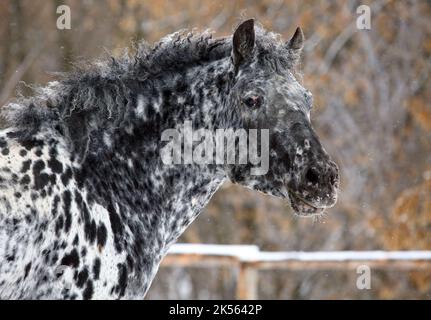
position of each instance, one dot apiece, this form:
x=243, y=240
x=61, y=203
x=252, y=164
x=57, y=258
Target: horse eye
x=253, y=101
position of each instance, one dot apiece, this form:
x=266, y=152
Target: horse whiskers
x=320, y=217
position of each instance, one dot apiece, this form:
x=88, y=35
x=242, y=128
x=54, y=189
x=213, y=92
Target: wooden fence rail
x=249, y=260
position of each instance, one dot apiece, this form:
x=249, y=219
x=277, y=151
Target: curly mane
x=100, y=94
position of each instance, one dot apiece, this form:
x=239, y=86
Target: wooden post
x=246, y=287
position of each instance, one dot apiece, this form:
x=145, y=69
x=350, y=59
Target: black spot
x=46, y=256
x=5, y=151
x=82, y=278
x=10, y=257
x=116, y=226
x=54, y=258
x=59, y=225
x=91, y=235
x=80, y=179
x=130, y=262
x=75, y=240
x=27, y=270
x=40, y=179
x=88, y=292
x=54, y=208
x=67, y=199
x=34, y=196
x=28, y=218
x=96, y=268
x=38, y=153
x=25, y=166
x=17, y=195
x=122, y=279
x=78, y=198
x=101, y=235
x=29, y=144
x=22, y=153
x=85, y=215
x=53, y=151
x=71, y=259
x=14, y=134
x=65, y=177
x=25, y=180
x=55, y=165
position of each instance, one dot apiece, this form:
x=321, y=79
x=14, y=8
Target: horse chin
x=303, y=208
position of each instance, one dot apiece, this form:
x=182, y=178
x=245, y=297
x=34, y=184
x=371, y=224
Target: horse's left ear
x=243, y=42
x=296, y=43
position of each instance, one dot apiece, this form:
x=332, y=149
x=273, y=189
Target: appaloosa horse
x=87, y=207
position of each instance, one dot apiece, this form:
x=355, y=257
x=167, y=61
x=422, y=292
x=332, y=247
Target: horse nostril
x=312, y=176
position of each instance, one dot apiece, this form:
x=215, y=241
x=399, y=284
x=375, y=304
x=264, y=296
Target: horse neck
x=130, y=177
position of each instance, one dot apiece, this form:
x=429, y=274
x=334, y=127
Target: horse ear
x=296, y=43
x=243, y=41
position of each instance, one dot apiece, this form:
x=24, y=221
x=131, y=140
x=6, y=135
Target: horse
x=88, y=207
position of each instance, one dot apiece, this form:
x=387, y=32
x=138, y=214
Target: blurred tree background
x=371, y=90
